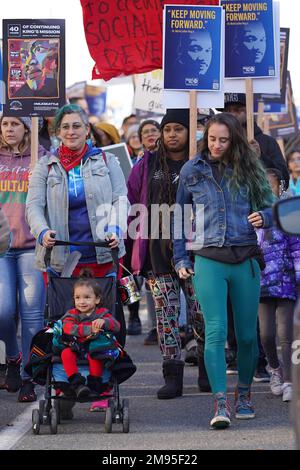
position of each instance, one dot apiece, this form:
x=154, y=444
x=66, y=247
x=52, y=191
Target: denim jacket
x=47, y=204
x=220, y=218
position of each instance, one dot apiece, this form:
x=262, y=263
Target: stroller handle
x=99, y=243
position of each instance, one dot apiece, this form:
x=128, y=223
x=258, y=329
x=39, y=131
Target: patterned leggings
x=165, y=290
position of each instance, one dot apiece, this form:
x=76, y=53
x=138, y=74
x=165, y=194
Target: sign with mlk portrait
x=34, y=66
x=249, y=39
x=192, y=47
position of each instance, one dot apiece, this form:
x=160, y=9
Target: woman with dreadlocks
x=153, y=183
x=228, y=187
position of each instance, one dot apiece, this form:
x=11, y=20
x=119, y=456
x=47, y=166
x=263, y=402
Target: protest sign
x=96, y=99
x=192, y=48
x=249, y=39
x=148, y=92
x=120, y=151
x=34, y=66
x=285, y=125
x=124, y=37
x=279, y=98
x=2, y=89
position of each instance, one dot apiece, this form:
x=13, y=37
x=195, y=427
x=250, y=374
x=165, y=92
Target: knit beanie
x=180, y=116
x=26, y=121
x=151, y=122
x=131, y=130
x=110, y=130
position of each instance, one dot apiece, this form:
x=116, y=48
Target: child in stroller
x=45, y=365
x=83, y=334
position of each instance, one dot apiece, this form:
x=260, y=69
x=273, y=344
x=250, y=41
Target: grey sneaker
x=287, y=392
x=221, y=419
x=276, y=381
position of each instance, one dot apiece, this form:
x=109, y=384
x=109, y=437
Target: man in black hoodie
x=270, y=153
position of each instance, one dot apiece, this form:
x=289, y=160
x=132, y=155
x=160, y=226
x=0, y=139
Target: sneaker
x=221, y=419
x=261, y=375
x=232, y=368
x=134, y=327
x=151, y=338
x=101, y=405
x=13, y=381
x=27, y=393
x=276, y=381
x=287, y=391
x=243, y=406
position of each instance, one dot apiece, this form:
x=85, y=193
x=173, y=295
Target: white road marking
x=10, y=435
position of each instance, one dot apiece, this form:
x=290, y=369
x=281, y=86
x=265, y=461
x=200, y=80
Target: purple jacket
x=138, y=194
x=282, y=256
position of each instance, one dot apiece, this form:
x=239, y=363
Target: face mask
x=199, y=135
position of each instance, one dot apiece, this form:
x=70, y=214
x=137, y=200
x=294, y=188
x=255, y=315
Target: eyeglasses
x=76, y=126
x=294, y=160
x=150, y=132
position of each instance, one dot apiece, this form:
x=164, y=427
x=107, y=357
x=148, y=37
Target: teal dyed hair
x=247, y=168
x=70, y=109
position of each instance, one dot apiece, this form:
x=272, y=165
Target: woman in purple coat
x=279, y=282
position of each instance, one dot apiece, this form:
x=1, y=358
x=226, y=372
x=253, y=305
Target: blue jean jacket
x=220, y=218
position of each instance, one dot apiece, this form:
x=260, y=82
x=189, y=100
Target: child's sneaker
x=276, y=381
x=243, y=406
x=287, y=391
x=221, y=419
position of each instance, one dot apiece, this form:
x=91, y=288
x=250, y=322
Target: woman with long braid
x=153, y=183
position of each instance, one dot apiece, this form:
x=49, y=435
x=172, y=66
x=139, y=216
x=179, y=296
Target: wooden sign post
x=34, y=141
x=249, y=107
x=193, y=123
x=260, y=115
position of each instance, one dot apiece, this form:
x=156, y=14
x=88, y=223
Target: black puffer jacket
x=271, y=154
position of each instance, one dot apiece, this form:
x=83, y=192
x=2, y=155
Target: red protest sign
x=125, y=36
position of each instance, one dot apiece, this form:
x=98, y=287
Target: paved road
x=179, y=424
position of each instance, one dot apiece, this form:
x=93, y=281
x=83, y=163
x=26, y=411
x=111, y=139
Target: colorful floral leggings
x=165, y=290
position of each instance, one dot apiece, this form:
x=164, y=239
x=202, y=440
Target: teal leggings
x=213, y=281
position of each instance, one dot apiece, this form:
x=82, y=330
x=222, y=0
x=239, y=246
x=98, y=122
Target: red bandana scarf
x=70, y=158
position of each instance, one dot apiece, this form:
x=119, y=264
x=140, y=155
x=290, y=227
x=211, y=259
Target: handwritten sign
x=124, y=37
x=148, y=92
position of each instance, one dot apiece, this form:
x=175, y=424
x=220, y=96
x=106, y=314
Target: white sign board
x=148, y=92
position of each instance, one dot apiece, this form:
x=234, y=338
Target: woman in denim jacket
x=229, y=193
x=78, y=194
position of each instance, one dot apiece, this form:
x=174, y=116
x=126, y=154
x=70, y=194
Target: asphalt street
x=178, y=424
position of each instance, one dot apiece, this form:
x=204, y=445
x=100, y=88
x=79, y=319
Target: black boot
x=203, y=382
x=173, y=375
x=95, y=384
x=77, y=383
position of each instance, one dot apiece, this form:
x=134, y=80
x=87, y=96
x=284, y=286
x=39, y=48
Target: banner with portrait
x=249, y=39
x=192, y=48
x=34, y=66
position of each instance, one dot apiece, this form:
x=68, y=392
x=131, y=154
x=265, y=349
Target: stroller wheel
x=109, y=414
x=57, y=409
x=125, y=414
x=35, y=421
x=41, y=410
x=53, y=421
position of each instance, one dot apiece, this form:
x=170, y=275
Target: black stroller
x=46, y=368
